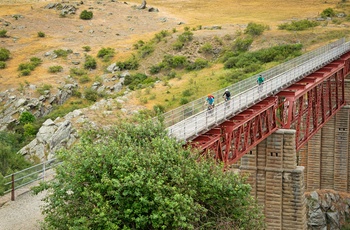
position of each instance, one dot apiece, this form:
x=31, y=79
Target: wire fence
x=16, y=183
x=185, y=111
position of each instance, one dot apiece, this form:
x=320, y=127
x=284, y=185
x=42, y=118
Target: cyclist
x=210, y=101
x=227, y=95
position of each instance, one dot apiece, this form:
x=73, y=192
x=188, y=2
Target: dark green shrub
x=55, y=69
x=198, y=64
x=130, y=64
x=4, y=54
x=25, y=72
x=329, y=12
x=177, y=61
x=30, y=130
x=154, y=69
x=26, y=66
x=26, y=117
x=87, y=48
x=91, y=94
x=3, y=33
x=84, y=79
x=146, y=50
x=36, y=61
x=138, y=81
x=86, y=15
x=298, y=25
x=106, y=53
x=42, y=90
x=184, y=100
x=158, y=109
x=206, y=48
x=255, y=29
x=139, y=44
x=241, y=45
x=62, y=53
x=41, y=34
x=2, y=65
x=185, y=37
x=90, y=62
x=77, y=72
x=178, y=45
x=162, y=34
x=187, y=92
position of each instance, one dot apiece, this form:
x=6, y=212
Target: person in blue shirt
x=260, y=82
x=210, y=101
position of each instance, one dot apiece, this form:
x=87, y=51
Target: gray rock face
x=327, y=210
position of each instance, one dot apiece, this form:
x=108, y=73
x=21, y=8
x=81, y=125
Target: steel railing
x=20, y=179
x=188, y=121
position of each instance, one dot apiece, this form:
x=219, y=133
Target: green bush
x=84, y=79
x=62, y=53
x=36, y=61
x=90, y=62
x=130, y=64
x=3, y=33
x=138, y=81
x=26, y=117
x=4, y=54
x=11, y=162
x=25, y=72
x=2, y=65
x=139, y=44
x=241, y=45
x=185, y=37
x=77, y=72
x=43, y=88
x=106, y=53
x=162, y=34
x=255, y=29
x=329, y=12
x=55, y=69
x=30, y=130
x=146, y=50
x=178, y=45
x=177, y=61
x=86, y=15
x=41, y=34
x=198, y=64
x=136, y=177
x=187, y=92
x=206, y=48
x=298, y=25
x=91, y=94
x=184, y=101
x=87, y=48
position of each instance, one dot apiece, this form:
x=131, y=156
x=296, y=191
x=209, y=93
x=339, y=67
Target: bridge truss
x=304, y=106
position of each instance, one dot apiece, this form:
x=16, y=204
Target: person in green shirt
x=260, y=82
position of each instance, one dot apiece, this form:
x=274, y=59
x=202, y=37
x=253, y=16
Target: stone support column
x=277, y=182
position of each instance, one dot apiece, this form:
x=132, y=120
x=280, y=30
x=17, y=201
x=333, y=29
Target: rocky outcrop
x=327, y=209
x=63, y=132
x=14, y=105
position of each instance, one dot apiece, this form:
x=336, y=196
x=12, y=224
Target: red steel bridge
x=301, y=94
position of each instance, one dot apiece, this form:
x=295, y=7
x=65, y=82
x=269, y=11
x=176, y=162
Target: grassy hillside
x=120, y=26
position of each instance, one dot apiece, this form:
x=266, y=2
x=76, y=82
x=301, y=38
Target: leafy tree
x=137, y=177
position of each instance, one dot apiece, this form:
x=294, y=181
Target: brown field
x=117, y=25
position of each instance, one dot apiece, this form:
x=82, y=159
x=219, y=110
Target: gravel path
x=22, y=214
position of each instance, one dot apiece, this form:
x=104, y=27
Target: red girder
x=308, y=104
x=304, y=106
x=240, y=133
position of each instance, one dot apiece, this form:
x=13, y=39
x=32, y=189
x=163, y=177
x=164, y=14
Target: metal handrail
x=29, y=175
x=185, y=111
x=246, y=93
